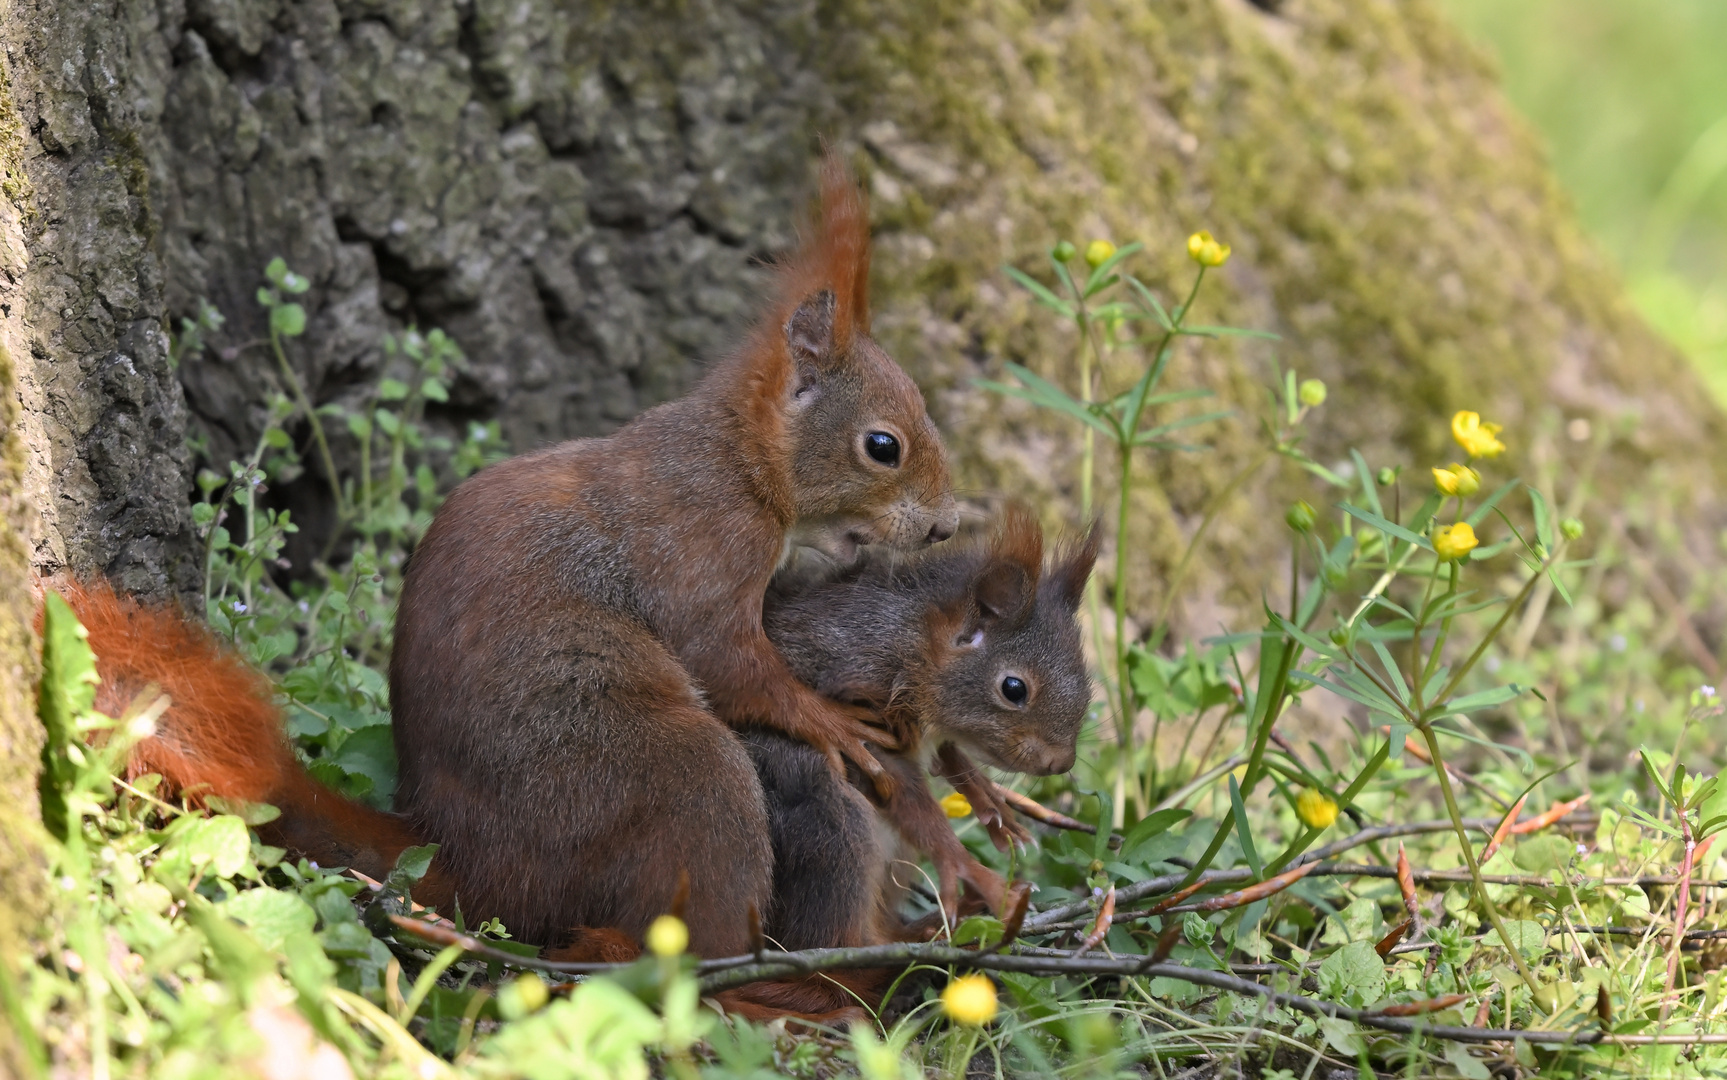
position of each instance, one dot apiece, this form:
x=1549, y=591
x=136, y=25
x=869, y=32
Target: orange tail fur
x=222, y=734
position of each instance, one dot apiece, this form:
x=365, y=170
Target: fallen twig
x=1127, y=894
x=1044, y=924
x=1100, y=928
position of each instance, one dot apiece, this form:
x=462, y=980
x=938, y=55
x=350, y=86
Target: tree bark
x=22, y=877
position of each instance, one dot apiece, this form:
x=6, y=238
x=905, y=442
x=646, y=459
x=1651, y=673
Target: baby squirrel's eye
x=882, y=447
x=1014, y=689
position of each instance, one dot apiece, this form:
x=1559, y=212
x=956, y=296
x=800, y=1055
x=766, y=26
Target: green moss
x=1391, y=221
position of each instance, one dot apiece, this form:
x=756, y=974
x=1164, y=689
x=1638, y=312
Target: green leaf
x=1543, y=518
x=271, y=915
x=1484, y=699
x=1151, y=303
x=1468, y=1066
x=276, y=270
x=1041, y=293
x=1369, y=486
x=392, y=389
x=433, y=390
x=1105, y=816
x=411, y=866
x=1342, y=1036
x=1374, y=520
x=1155, y=434
x=1424, y=513
x=1354, y=974
x=1655, y=777
x=1479, y=514
x=1244, y=831
x=1149, y=828
x=1041, y=392
x=220, y=845
x=1529, y=937
x=288, y=320
x=983, y=929
x=1226, y=331
x=1539, y=854
x=68, y=690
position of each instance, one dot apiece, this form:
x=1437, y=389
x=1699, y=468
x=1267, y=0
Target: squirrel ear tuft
x=810, y=330
x=1019, y=539
x=1073, y=566
x=1001, y=592
x=844, y=245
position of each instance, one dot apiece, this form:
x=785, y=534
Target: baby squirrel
x=581, y=627
x=971, y=649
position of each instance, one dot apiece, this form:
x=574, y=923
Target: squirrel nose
x=940, y=531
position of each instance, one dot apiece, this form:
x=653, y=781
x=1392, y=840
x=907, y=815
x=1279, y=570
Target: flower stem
x=1456, y=815
x=305, y=404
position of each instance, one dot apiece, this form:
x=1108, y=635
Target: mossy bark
x=22, y=877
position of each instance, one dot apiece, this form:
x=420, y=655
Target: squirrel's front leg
x=992, y=813
x=917, y=817
x=749, y=685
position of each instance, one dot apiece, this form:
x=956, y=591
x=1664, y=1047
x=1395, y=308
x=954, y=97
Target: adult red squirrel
x=580, y=627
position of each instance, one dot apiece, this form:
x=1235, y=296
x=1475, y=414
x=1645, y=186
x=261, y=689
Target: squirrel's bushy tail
x=222, y=734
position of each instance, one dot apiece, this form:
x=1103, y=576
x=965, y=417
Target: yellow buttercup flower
x=1204, y=249
x=1453, y=542
x=956, y=805
x=1459, y=480
x=1315, y=808
x=970, y=1000
x=1478, y=439
x=668, y=936
x=1098, y=252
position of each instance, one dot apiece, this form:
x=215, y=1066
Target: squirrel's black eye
x=1014, y=689
x=882, y=447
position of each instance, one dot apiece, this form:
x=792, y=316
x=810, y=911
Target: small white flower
x=1492, y=664
x=1708, y=691
x=1617, y=643
x=239, y=608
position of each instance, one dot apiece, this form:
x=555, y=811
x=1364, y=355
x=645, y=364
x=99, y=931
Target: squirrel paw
x=845, y=739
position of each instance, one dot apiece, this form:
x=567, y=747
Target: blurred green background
x=1631, y=98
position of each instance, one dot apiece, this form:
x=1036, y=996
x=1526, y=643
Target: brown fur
x=581, y=627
